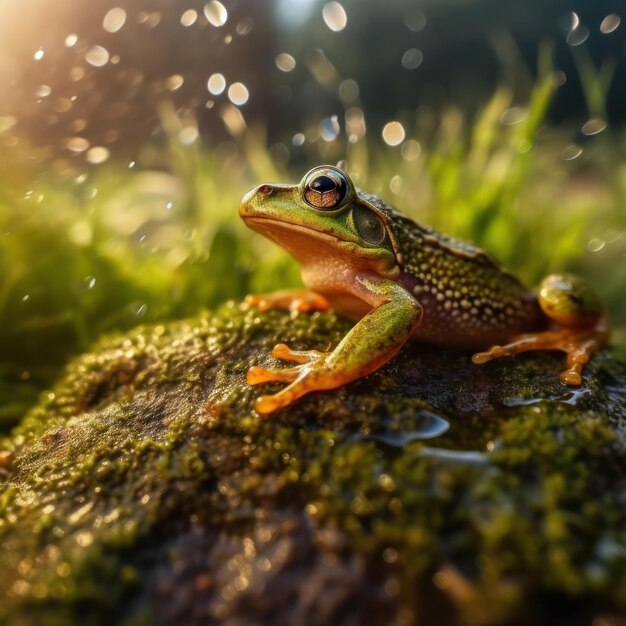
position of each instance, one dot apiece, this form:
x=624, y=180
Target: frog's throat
x=296, y=240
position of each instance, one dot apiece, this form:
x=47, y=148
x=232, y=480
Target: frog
x=402, y=281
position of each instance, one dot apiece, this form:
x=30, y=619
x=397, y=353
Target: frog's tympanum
x=402, y=281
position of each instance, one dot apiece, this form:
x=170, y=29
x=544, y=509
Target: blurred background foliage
x=129, y=133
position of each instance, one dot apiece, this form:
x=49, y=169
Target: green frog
x=402, y=281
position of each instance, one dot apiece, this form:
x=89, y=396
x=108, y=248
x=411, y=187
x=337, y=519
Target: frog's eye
x=326, y=189
x=369, y=226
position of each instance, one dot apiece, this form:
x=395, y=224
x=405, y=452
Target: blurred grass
x=89, y=253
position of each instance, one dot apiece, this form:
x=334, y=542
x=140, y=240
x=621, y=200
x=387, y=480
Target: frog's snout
x=256, y=193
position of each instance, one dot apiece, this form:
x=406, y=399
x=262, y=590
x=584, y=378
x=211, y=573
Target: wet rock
x=144, y=490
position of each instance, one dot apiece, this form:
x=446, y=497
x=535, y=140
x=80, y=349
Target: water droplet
x=77, y=144
x=26, y=298
x=596, y=244
x=238, y=94
x=188, y=135
x=428, y=426
x=71, y=40
x=244, y=26
x=98, y=154
x=39, y=54
x=577, y=36
x=610, y=23
x=571, y=152
x=454, y=456
x=114, y=20
x=412, y=59
x=298, y=140
x=131, y=165
x=393, y=133
x=43, y=91
x=216, y=84
x=593, y=126
x=415, y=21
x=216, y=13
x=169, y=205
x=189, y=17
x=174, y=82
x=141, y=310
x=349, y=90
x=329, y=128
x=512, y=116
x=285, y=62
x=334, y=16
x=97, y=56
x=90, y=282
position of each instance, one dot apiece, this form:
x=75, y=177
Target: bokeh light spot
x=189, y=17
x=411, y=150
x=512, y=116
x=349, y=90
x=415, y=21
x=285, y=62
x=114, y=20
x=39, y=54
x=393, y=133
x=71, y=40
x=334, y=16
x=610, y=23
x=216, y=84
x=238, y=94
x=77, y=144
x=578, y=35
x=174, y=82
x=593, y=126
x=43, y=91
x=571, y=151
x=216, y=13
x=329, y=128
x=412, y=59
x=97, y=56
x=188, y=135
x=244, y=26
x=98, y=154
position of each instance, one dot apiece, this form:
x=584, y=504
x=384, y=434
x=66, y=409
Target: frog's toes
x=306, y=359
x=259, y=375
x=493, y=353
x=281, y=351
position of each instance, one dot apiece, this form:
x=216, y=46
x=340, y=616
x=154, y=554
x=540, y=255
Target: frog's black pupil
x=323, y=184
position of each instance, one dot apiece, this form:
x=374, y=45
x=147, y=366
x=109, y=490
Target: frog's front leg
x=374, y=340
x=295, y=300
x=581, y=328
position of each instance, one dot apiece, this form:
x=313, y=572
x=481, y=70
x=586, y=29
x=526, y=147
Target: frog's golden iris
x=401, y=280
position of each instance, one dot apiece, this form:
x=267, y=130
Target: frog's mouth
x=305, y=243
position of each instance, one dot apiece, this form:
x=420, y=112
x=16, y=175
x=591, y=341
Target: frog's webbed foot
x=311, y=374
x=578, y=344
x=294, y=300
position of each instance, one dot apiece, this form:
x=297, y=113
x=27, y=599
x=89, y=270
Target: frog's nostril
x=266, y=190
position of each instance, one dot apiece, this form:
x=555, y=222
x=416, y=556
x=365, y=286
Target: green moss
x=143, y=489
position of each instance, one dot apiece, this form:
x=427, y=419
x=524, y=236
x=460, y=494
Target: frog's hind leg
x=581, y=329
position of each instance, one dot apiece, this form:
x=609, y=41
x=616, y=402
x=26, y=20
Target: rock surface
x=144, y=490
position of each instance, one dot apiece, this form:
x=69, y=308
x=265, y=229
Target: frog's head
x=323, y=214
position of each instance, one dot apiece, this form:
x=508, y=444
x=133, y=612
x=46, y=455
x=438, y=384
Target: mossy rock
x=144, y=490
